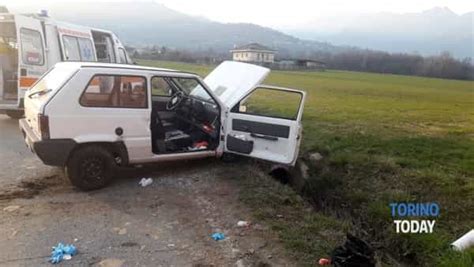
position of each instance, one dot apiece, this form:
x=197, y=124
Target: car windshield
x=52, y=80
x=193, y=88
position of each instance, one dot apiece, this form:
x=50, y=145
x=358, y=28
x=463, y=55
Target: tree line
x=443, y=65
x=440, y=66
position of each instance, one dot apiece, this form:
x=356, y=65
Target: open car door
x=261, y=121
x=266, y=124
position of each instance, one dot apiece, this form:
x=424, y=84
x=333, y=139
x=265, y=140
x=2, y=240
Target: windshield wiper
x=39, y=93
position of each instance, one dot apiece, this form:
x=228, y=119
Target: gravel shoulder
x=168, y=223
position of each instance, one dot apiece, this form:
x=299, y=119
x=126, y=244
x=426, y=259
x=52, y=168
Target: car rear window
x=52, y=81
x=113, y=91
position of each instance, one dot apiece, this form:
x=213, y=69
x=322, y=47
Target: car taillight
x=43, y=123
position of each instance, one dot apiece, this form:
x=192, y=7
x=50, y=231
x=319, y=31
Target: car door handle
x=266, y=137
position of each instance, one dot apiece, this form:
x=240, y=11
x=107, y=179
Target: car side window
x=160, y=87
x=115, y=91
x=271, y=103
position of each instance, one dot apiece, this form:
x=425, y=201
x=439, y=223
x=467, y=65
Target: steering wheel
x=175, y=100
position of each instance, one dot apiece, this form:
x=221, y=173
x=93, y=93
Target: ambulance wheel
x=15, y=114
x=90, y=167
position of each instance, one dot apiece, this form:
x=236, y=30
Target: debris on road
x=120, y=231
x=11, y=208
x=144, y=182
x=62, y=252
x=110, y=263
x=218, y=236
x=243, y=224
x=240, y=263
x=13, y=234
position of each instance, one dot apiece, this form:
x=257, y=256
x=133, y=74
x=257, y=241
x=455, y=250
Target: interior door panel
x=267, y=136
x=266, y=129
x=239, y=145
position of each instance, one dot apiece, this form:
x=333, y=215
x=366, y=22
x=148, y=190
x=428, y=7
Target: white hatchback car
x=91, y=117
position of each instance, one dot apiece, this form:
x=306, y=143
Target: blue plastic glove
x=218, y=236
x=70, y=250
x=60, y=250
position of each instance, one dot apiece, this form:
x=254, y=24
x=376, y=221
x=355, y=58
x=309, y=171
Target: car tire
x=230, y=158
x=90, y=168
x=15, y=114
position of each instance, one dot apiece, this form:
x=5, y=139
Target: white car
x=91, y=117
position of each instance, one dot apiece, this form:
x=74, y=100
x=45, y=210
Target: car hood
x=231, y=81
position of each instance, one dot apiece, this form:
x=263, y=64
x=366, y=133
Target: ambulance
x=30, y=44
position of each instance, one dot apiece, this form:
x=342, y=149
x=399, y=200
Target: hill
x=150, y=23
x=429, y=32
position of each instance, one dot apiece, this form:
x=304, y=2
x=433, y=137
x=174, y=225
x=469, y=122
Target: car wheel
x=230, y=158
x=15, y=114
x=90, y=168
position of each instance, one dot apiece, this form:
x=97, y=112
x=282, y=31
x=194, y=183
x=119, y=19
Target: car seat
x=166, y=138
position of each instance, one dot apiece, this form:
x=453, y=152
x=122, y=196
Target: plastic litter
x=243, y=224
x=11, y=208
x=324, y=261
x=464, y=242
x=218, y=236
x=144, y=182
x=62, y=252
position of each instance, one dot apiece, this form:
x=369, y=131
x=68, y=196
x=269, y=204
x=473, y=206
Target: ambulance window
x=85, y=47
x=71, y=49
x=122, y=56
x=31, y=47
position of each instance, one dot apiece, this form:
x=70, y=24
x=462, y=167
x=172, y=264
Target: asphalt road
x=17, y=163
x=168, y=223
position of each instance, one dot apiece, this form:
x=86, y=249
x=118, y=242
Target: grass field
x=385, y=138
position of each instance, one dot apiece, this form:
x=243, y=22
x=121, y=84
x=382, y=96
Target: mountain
x=150, y=23
x=428, y=32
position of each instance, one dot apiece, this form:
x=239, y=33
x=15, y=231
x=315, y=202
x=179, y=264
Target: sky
x=281, y=13
x=286, y=13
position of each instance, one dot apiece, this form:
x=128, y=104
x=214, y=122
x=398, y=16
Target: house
x=301, y=64
x=311, y=64
x=254, y=53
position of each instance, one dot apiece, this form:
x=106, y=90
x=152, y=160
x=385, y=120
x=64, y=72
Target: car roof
x=74, y=64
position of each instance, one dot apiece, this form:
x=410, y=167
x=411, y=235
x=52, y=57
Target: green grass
x=384, y=138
